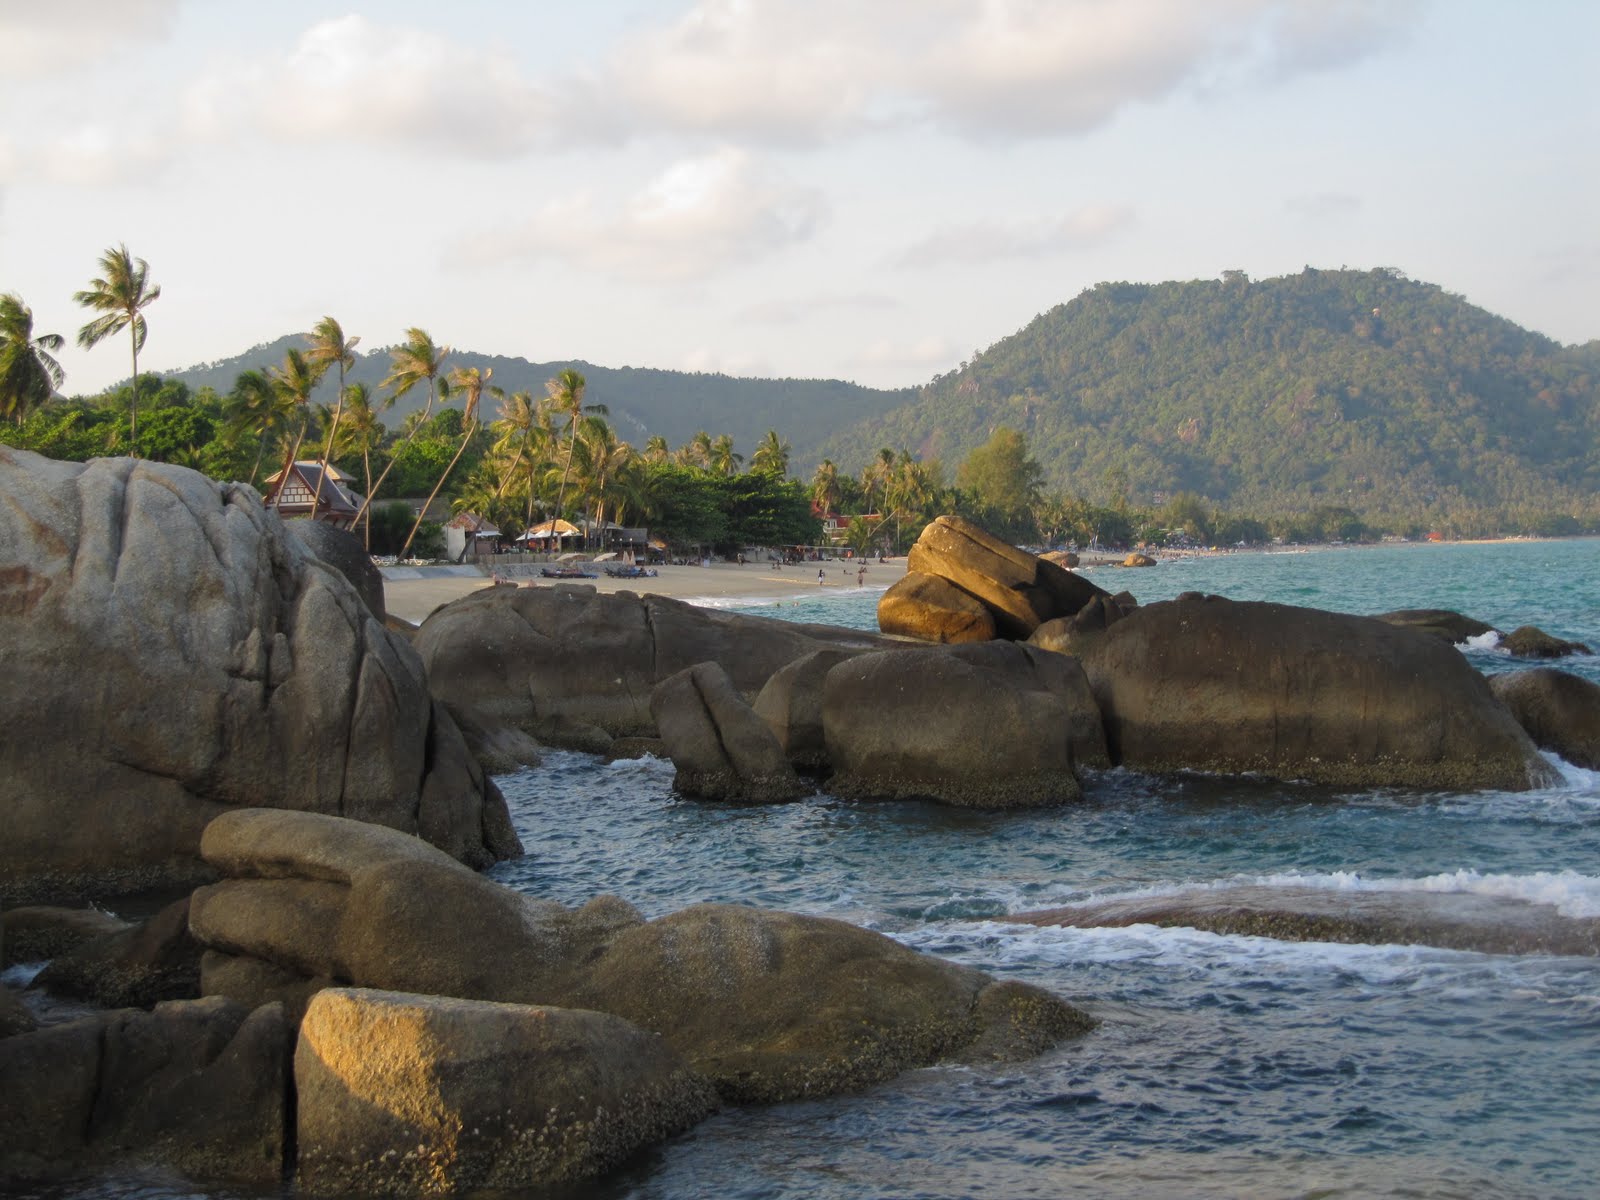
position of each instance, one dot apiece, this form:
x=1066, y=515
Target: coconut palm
x=330, y=348
x=825, y=490
x=525, y=437
x=29, y=374
x=472, y=384
x=656, y=449
x=696, y=452
x=292, y=384
x=566, y=396
x=120, y=295
x=254, y=407
x=723, y=460
x=418, y=359
x=771, y=456
x=361, y=433
x=602, y=461
x=876, y=476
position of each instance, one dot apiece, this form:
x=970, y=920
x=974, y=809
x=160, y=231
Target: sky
x=870, y=190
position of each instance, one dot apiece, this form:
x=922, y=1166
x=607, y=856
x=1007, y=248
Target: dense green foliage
x=1358, y=390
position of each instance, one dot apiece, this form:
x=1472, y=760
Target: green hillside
x=642, y=401
x=1354, y=388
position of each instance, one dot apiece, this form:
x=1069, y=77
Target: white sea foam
x=1484, y=641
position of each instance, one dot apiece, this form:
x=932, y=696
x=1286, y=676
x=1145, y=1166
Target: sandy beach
x=411, y=593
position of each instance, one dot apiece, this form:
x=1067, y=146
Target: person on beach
x=861, y=575
x=821, y=577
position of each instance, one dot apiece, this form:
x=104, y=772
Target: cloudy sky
x=863, y=189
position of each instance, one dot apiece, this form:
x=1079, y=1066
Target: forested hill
x=1355, y=388
x=642, y=401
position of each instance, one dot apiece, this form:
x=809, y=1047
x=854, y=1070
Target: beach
x=411, y=593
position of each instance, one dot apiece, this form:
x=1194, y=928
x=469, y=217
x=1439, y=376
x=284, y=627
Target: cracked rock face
x=170, y=654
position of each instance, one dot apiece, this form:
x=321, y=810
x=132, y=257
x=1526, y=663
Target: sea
x=1222, y=1066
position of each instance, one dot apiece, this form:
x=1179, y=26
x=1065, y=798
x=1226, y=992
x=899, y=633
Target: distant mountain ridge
x=1355, y=388
x=642, y=400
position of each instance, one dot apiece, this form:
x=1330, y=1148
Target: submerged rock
x=1441, y=623
x=768, y=1006
x=1450, y=920
x=1560, y=711
x=1529, y=641
x=172, y=653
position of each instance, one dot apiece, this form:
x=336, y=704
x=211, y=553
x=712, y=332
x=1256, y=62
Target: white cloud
x=989, y=241
x=789, y=310
x=923, y=353
x=46, y=38
x=698, y=216
x=792, y=71
x=350, y=80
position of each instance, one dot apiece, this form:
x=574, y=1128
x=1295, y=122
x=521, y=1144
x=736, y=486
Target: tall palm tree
x=363, y=432
x=120, y=295
x=696, y=452
x=602, y=460
x=825, y=490
x=771, y=456
x=876, y=476
x=330, y=348
x=472, y=384
x=255, y=407
x=418, y=359
x=723, y=460
x=29, y=374
x=525, y=436
x=293, y=384
x=566, y=395
x=656, y=449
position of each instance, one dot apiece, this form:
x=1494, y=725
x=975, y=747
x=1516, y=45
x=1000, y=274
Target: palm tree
x=526, y=437
x=566, y=395
x=696, y=452
x=119, y=296
x=364, y=432
x=29, y=374
x=330, y=348
x=656, y=449
x=472, y=384
x=723, y=460
x=878, y=472
x=255, y=407
x=409, y=364
x=293, y=384
x=825, y=490
x=771, y=456
x=602, y=460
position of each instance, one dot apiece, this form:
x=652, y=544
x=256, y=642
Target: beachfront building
x=467, y=535
x=334, y=504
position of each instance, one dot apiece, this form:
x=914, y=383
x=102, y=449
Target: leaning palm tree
x=771, y=456
x=29, y=374
x=472, y=384
x=525, y=438
x=119, y=296
x=566, y=395
x=417, y=360
x=254, y=407
x=293, y=384
x=363, y=432
x=330, y=348
x=602, y=460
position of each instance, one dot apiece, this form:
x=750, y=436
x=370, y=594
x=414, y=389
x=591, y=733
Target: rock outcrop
x=932, y=609
x=791, y=705
x=172, y=653
x=1559, y=710
x=991, y=725
x=136, y=967
x=1441, y=623
x=418, y=1095
x=200, y=1086
x=768, y=1006
x=1203, y=683
x=576, y=668
x=721, y=748
x=1529, y=641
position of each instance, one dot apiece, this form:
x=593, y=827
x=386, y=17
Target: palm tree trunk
x=333, y=430
x=389, y=466
x=366, y=471
x=572, y=444
x=466, y=437
x=283, y=479
x=133, y=409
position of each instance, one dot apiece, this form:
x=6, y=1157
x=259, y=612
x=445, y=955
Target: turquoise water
x=1224, y=1066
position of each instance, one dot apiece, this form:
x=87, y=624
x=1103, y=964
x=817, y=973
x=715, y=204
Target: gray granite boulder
x=1560, y=711
x=721, y=748
x=172, y=653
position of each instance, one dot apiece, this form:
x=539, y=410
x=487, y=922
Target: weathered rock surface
x=407, y=1094
x=932, y=609
x=38, y=933
x=136, y=967
x=1441, y=623
x=1452, y=920
x=347, y=554
x=15, y=1016
x=576, y=668
x=989, y=725
x=1559, y=710
x=1529, y=641
x=1021, y=590
x=722, y=749
x=197, y=1085
x=227, y=666
x=769, y=1006
x=1202, y=683
x=791, y=705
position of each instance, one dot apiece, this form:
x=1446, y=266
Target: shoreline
x=411, y=593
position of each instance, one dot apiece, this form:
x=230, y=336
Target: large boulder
x=722, y=749
x=1020, y=589
x=791, y=705
x=38, y=933
x=932, y=609
x=402, y=1094
x=1208, y=684
x=171, y=653
x=988, y=725
x=199, y=1085
x=1441, y=623
x=1560, y=711
x=576, y=668
x=1529, y=641
x=346, y=553
x=767, y=1005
